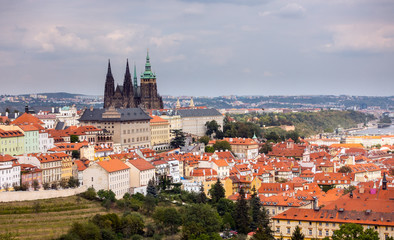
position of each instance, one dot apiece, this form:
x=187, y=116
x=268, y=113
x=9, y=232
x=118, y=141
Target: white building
x=68, y=115
x=45, y=141
x=141, y=171
x=107, y=175
x=173, y=170
x=49, y=120
x=10, y=172
x=194, y=120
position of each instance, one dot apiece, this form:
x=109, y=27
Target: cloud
x=361, y=38
x=292, y=10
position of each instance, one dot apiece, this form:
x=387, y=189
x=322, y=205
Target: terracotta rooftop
x=113, y=165
x=141, y=164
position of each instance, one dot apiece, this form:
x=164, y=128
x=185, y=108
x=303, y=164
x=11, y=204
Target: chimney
x=26, y=109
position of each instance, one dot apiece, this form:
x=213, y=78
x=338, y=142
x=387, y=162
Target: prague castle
x=130, y=95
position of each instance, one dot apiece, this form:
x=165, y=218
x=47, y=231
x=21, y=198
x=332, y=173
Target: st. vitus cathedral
x=130, y=95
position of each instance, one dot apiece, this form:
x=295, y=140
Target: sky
x=200, y=47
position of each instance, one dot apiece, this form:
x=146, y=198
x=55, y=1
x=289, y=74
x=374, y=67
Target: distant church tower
x=149, y=97
x=109, y=90
x=130, y=95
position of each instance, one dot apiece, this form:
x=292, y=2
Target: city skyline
x=200, y=48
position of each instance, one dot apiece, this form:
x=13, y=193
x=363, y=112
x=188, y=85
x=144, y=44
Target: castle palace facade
x=130, y=95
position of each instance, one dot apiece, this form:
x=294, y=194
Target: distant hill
x=58, y=95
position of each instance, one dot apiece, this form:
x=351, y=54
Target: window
x=288, y=221
x=278, y=229
x=288, y=230
x=310, y=231
x=327, y=232
x=320, y=232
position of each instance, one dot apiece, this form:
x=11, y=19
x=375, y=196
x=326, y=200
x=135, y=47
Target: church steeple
x=109, y=89
x=135, y=78
x=191, y=105
x=127, y=84
x=109, y=73
x=178, y=104
x=384, y=182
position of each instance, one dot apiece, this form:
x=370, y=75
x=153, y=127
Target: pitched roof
x=199, y=112
x=157, y=119
x=126, y=114
x=6, y=158
x=27, y=118
x=141, y=164
x=10, y=133
x=113, y=165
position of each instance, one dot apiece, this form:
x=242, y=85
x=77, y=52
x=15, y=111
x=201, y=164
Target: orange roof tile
x=141, y=164
x=113, y=165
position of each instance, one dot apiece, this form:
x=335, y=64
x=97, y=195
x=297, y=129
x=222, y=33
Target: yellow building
x=376, y=213
x=67, y=164
x=233, y=184
x=160, y=133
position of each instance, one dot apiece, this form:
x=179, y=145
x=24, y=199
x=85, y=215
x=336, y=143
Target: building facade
x=130, y=127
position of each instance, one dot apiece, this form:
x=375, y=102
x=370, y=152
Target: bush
x=89, y=194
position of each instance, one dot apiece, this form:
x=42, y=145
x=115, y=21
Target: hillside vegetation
x=45, y=219
x=308, y=123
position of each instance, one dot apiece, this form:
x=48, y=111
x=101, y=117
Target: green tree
x=169, y=218
x=222, y=145
x=105, y=195
x=74, y=138
x=297, y=234
x=149, y=204
x=212, y=127
x=345, y=169
x=255, y=206
x=224, y=206
x=266, y=147
x=217, y=191
x=89, y=194
x=204, y=139
x=132, y=224
x=209, y=149
x=201, y=197
x=351, y=231
x=36, y=185
x=241, y=214
x=179, y=139
x=72, y=182
x=151, y=188
x=75, y=154
x=199, y=219
x=83, y=231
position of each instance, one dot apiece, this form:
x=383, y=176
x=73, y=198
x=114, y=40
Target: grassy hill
x=45, y=219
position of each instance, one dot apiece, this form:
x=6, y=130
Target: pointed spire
x=147, y=55
x=384, y=182
x=191, y=103
x=127, y=74
x=109, y=73
x=135, y=77
x=178, y=104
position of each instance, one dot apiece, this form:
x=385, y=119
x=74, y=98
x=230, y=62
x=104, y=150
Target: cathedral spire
x=127, y=84
x=135, y=77
x=147, y=64
x=109, y=73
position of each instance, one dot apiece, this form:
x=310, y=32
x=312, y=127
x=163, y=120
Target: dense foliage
x=306, y=123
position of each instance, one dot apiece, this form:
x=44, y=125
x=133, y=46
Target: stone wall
x=42, y=194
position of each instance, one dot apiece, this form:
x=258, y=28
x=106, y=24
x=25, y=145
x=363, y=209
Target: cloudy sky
x=201, y=47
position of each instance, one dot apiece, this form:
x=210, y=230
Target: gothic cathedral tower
x=130, y=95
x=109, y=87
x=149, y=97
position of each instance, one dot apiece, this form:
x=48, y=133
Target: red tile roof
x=113, y=165
x=141, y=164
